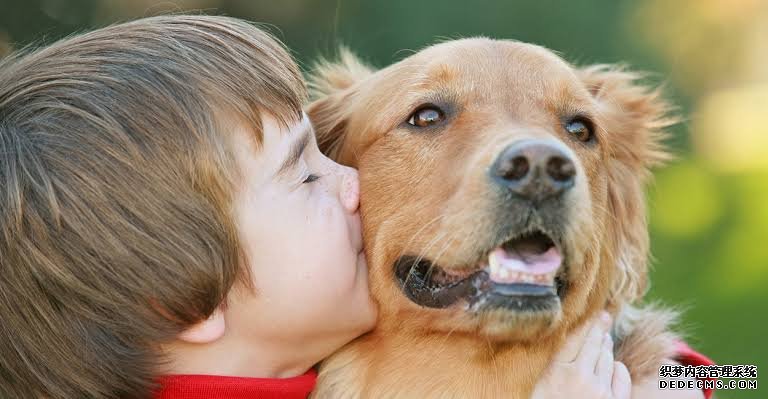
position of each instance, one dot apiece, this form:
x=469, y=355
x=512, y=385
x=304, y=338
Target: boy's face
x=298, y=221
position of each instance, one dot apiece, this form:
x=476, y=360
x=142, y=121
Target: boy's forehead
x=278, y=138
x=274, y=131
x=280, y=146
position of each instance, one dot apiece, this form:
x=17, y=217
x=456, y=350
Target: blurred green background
x=708, y=208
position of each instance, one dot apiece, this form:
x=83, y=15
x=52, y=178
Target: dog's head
x=501, y=187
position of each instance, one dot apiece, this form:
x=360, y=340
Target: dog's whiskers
x=424, y=250
x=423, y=253
x=436, y=261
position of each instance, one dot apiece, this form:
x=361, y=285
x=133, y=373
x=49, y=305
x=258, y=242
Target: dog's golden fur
x=424, y=192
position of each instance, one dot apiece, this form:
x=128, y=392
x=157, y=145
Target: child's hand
x=584, y=367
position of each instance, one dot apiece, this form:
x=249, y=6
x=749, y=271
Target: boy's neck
x=228, y=357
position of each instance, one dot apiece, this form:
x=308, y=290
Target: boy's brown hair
x=116, y=183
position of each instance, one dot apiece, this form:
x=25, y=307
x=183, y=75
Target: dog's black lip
x=477, y=289
x=411, y=273
x=516, y=297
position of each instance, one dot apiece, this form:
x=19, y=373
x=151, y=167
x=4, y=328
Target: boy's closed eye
x=296, y=152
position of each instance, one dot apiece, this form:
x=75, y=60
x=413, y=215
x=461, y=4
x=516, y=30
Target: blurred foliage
x=708, y=209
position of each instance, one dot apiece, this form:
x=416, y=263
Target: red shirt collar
x=222, y=387
x=689, y=357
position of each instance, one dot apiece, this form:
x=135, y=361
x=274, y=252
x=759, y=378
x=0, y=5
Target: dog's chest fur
x=396, y=366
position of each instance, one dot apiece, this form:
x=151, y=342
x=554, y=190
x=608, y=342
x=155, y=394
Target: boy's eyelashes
x=310, y=178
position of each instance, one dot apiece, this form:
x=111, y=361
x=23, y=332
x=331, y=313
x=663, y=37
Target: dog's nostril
x=515, y=168
x=561, y=169
x=534, y=169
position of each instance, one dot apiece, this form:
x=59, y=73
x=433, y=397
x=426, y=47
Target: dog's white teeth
x=497, y=271
x=503, y=273
x=493, y=263
x=548, y=278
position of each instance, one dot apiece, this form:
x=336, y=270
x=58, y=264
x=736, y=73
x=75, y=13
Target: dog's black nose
x=534, y=170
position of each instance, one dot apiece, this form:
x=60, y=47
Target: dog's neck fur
x=462, y=366
x=456, y=367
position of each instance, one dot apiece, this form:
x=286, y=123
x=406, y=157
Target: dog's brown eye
x=426, y=116
x=581, y=128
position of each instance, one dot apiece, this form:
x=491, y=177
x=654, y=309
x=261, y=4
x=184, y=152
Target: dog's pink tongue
x=529, y=262
x=524, y=266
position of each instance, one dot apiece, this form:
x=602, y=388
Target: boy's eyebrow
x=296, y=150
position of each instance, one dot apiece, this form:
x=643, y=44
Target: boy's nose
x=350, y=189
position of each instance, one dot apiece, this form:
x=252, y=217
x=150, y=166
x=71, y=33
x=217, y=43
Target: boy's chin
x=364, y=322
x=364, y=314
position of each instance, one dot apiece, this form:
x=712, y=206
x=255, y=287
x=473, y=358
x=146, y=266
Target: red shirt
x=220, y=387
x=689, y=357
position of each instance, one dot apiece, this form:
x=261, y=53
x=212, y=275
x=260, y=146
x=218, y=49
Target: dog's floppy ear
x=633, y=117
x=332, y=88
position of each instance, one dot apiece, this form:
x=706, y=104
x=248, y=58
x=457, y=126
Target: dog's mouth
x=525, y=272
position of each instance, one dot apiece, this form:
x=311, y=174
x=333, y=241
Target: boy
x=134, y=202
x=165, y=210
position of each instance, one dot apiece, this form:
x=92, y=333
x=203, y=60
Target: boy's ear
x=632, y=118
x=206, y=331
x=333, y=87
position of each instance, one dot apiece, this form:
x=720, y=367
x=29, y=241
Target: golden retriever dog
x=502, y=203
